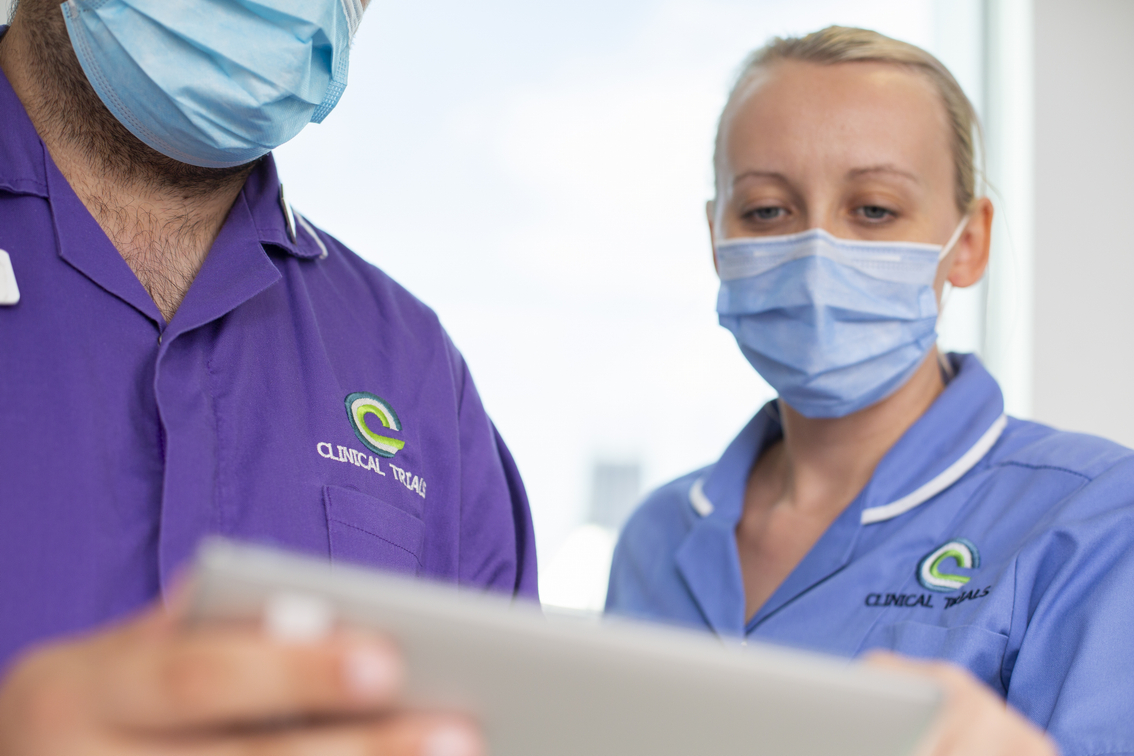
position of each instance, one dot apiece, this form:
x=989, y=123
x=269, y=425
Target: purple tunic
x=298, y=397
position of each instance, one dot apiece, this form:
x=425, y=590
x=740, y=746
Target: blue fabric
x=215, y=83
x=1046, y=619
x=834, y=325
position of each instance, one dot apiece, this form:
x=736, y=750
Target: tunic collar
x=953, y=436
x=21, y=151
x=24, y=170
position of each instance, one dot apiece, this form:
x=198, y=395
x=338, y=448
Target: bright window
x=537, y=172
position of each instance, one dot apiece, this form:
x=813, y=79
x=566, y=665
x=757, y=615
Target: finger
x=399, y=736
x=176, y=598
x=974, y=721
x=939, y=739
x=950, y=676
x=891, y=660
x=231, y=676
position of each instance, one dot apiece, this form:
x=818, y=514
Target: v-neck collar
x=708, y=559
x=236, y=268
x=21, y=151
x=82, y=243
x=951, y=438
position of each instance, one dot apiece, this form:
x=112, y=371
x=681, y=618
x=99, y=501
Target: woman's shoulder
x=1064, y=479
x=644, y=579
x=1029, y=444
x=665, y=515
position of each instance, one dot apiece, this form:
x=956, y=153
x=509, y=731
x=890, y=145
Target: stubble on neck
x=161, y=215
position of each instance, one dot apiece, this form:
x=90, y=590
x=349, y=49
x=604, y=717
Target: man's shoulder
x=344, y=280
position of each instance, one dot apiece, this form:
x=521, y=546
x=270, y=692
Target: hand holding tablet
x=561, y=687
x=153, y=686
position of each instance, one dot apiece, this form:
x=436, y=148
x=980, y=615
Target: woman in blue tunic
x=884, y=500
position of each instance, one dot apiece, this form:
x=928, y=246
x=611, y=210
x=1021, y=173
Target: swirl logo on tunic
x=360, y=406
x=929, y=569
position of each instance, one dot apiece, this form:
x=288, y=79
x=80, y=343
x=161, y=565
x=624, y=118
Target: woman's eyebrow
x=759, y=174
x=883, y=168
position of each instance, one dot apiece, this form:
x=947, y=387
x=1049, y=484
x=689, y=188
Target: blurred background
x=537, y=172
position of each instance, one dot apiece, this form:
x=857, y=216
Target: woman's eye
x=766, y=213
x=874, y=212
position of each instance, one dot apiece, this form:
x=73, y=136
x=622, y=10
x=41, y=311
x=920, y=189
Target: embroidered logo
x=960, y=550
x=360, y=406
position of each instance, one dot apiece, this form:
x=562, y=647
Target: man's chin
x=136, y=160
x=71, y=110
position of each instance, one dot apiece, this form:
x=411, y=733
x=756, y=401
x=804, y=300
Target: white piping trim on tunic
x=698, y=500
x=948, y=477
x=307, y=227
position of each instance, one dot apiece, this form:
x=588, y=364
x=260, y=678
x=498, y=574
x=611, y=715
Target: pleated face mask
x=215, y=83
x=833, y=325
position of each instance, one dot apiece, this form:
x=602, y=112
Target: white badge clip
x=9, y=291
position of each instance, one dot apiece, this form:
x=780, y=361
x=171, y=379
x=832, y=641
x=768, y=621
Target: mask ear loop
x=947, y=289
x=954, y=238
x=353, y=10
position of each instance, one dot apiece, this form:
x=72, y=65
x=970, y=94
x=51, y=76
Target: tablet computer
x=543, y=686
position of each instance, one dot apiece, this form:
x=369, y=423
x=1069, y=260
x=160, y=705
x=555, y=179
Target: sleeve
x=1070, y=665
x=497, y=538
x=623, y=589
x=635, y=556
x=645, y=582
x=526, y=583
x=640, y=546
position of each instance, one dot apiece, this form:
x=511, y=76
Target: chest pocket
x=980, y=651
x=368, y=531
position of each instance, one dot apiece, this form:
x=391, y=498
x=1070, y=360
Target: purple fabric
x=120, y=450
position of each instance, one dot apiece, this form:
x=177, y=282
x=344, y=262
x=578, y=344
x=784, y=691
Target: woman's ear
x=710, y=210
x=970, y=258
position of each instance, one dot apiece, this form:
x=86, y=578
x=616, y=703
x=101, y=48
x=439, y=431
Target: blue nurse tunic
x=1004, y=546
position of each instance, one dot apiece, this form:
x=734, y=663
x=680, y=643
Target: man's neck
x=162, y=235
x=163, y=229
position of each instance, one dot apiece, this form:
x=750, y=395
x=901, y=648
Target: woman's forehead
x=793, y=117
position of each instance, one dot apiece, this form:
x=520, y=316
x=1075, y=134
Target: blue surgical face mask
x=833, y=325
x=215, y=83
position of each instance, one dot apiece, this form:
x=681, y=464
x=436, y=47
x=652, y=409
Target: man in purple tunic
x=181, y=355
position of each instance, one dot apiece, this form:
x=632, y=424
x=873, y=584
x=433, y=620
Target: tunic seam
x=450, y=349
x=381, y=538
x=16, y=187
x=218, y=498
x=1056, y=468
x=1005, y=683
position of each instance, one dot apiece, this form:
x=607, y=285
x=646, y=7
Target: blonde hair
x=842, y=44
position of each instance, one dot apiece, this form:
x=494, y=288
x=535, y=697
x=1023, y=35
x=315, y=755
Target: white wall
x=1084, y=205
x=959, y=41
x=5, y=7
x=1009, y=115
